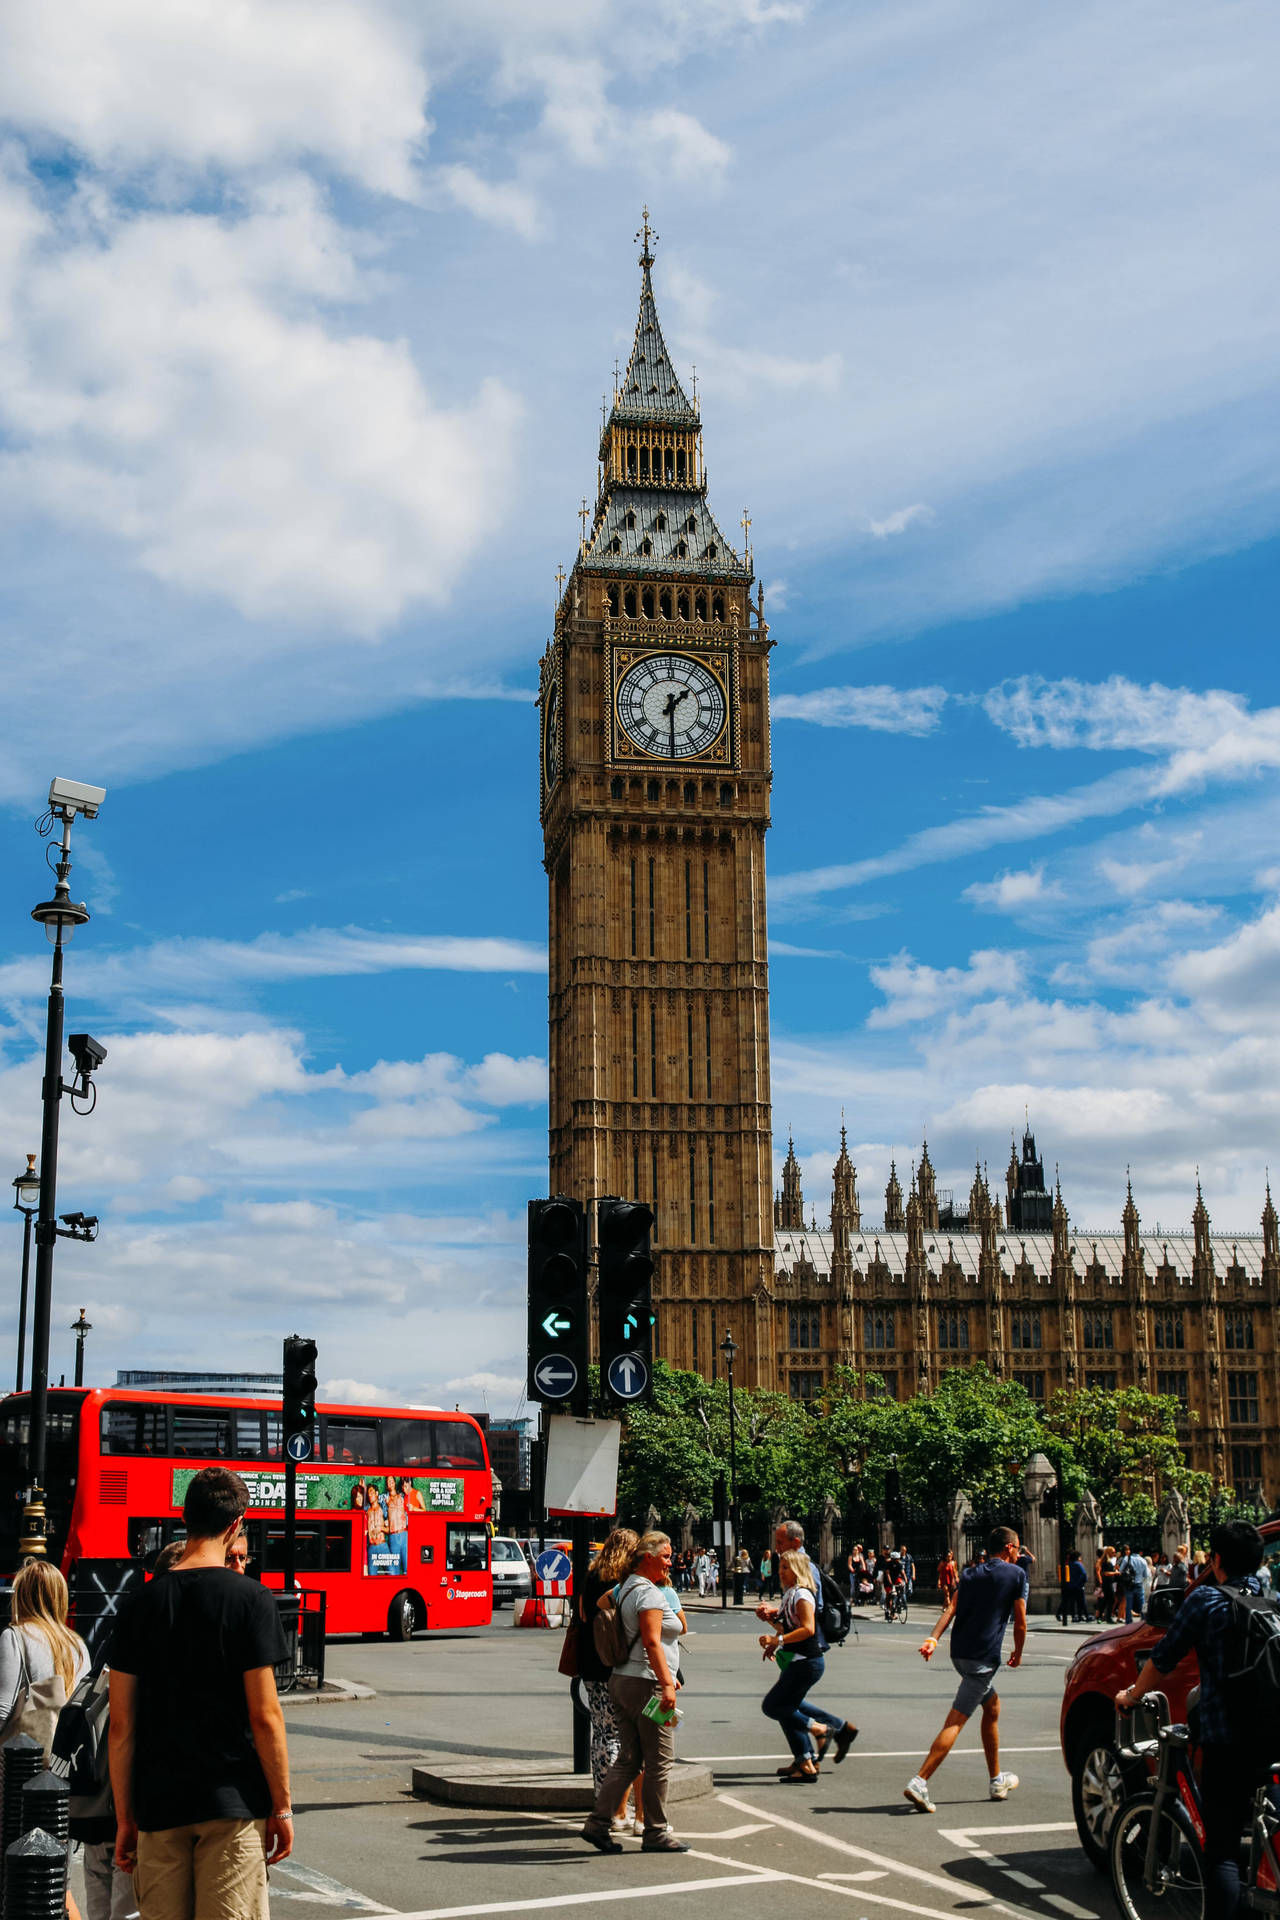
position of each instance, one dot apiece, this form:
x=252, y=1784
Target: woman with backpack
x=609, y=1566
x=41, y=1659
x=797, y=1647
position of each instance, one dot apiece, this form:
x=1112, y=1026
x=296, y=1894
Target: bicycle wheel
x=1179, y=1894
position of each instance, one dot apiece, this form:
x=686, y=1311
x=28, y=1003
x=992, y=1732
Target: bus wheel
x=402, y=1617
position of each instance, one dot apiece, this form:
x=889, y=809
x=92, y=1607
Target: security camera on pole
x=60, y=917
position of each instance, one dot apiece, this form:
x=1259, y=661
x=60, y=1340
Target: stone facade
x=1192, y=1314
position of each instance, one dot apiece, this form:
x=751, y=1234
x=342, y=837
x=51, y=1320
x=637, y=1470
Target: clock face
x=551, y=735
x=671, y=706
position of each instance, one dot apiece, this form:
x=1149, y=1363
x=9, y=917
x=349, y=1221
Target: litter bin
x=289, y=1606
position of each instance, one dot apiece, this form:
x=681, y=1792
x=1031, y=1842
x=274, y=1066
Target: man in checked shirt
x=1234, y=1743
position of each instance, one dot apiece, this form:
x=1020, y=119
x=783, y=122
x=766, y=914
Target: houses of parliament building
x=654, y=784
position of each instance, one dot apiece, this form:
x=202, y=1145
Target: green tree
x=1122, y=1443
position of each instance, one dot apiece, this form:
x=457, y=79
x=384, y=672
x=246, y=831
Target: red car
x=1105, y=1663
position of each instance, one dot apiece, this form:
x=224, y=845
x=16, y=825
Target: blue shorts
x=977, y=1680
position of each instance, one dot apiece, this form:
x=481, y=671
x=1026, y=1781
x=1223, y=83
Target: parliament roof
x=1172, y=1252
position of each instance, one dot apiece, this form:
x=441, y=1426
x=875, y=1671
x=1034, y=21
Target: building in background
x=259, y=1386
x=1189, y=1314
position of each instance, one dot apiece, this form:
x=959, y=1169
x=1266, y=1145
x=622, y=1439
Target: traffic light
x=626, y=1300
x=559, y=1312
x=299, y=1397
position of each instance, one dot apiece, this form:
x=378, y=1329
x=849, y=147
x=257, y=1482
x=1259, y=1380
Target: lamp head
x=26, y=1188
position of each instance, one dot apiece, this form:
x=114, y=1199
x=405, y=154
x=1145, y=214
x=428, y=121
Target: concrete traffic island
x=548, y=1785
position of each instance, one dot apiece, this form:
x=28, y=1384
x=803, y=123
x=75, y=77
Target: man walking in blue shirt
x=981, y=1606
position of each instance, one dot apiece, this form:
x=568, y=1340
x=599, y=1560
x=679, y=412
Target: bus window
x=323, y=1546
x=466, y=1549
x=201, y=1433
x=458, y=1444
x=134, y=1429
x=406, y=1443
x=147, y=1537
x=248, y=1435
x=275, y=1436
x=351, y=1442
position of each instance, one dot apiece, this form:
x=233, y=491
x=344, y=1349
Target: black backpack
x=1252, y=1662
x=79, y=1755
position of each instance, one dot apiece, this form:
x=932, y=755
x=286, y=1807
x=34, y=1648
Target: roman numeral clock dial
x=671, y=707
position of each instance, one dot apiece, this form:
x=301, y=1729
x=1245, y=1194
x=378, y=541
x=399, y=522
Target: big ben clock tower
x=655, y=801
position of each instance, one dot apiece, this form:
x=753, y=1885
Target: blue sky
x=305, y=315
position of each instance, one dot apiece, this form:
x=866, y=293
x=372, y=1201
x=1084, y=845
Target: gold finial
x=746, y=534
x=560, y=580
x=583, y=511
x=617, y=375
x=647, y=234
x=695, y=389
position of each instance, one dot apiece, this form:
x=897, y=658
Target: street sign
x=553, y=1564
x=298, y=1446
x=555, y=1377
x=628, y=1377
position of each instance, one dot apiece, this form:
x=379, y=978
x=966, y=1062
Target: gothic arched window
x=680, y=463
x=1169, y=1331
x=615, y=598
x=878, y=1330
x=717, y=606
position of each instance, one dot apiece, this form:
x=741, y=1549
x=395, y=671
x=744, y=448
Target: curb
x=553, y=1785
x=332, y=1693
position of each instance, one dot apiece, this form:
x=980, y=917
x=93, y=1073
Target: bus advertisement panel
x=392, y=1516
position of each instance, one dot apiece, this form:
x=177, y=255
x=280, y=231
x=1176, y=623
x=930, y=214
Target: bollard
x=21, y=1759
x=35, y=1877
x=46, y=1803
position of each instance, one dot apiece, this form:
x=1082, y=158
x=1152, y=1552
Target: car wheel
x=402, y=1617
x=1099, y=1785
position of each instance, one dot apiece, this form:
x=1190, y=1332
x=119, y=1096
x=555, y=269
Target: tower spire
x=647, y=234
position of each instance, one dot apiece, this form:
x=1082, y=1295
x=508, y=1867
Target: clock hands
x=669, y=714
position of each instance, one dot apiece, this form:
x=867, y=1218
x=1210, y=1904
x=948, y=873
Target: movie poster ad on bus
x=382, y=1504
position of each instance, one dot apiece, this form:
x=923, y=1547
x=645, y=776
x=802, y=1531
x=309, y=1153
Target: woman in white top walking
x=37, y=1648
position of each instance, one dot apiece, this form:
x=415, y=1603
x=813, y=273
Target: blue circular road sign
x=553, y=1565
x=628, y=1376
x=556, y=1376
x=298, y=1446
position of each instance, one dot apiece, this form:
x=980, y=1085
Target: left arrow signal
x=553, y=1326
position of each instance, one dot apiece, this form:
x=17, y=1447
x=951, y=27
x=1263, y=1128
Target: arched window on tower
x=680, y=463
x=629, y=601
x=631, y=463
x=669, y=462
x=690, y=793
x=616, y=544
x=681, y=549
x=664, y=603
x=615, y=793
x=700, y=606
x=629, y=520
x=682, y=601
x=692, y=524
x=646, y=601
x=661, y=523
x=615, y=597
x=717, y=606
x=646, y=546
x=644, y=463
x=726, y=795
x=655, y=791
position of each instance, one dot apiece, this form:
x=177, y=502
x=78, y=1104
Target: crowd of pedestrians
x=198, y=1800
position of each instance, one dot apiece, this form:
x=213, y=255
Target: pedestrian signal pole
x=299, y=1430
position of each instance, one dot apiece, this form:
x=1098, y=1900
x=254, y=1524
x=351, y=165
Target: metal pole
x=733, y=1462
x=82, y=1330
x=33, y=1542
x=581, y=1561
x=290, y=1520
x=22, y=1300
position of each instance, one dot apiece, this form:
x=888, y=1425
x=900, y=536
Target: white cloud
x=914, y=992
x=898, y=522
x=1114, y=715
x=885, y=709
x=784, y=950
x=207, y=84
x=1009, y=892
x=504, y=203
x=171, y=380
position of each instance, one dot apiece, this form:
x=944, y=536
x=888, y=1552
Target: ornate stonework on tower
x=655, y=803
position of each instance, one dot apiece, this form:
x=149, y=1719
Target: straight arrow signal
x=553, y=1326
x=629, y=1326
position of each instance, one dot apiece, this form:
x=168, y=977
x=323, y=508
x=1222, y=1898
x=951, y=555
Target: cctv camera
x=87, y=1053
x=73, y=796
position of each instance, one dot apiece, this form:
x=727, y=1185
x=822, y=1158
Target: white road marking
x=1060, y=1901
x=868, y=1873
x=1023, y=1879
x=960, y=1834
x=863, y=1753
x=320, y=1889
x=726, y=1833
x=749, y=1877
x=846, y=1847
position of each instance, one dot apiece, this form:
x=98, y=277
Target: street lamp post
x=729, y=1349
x=81, y=1328
x=59, y=917
x=26, y=1202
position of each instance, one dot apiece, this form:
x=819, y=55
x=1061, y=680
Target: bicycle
x=1156, y=1846
x=895, y=1604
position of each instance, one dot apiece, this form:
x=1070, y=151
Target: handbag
x=568, y=1661
x=36, y=1705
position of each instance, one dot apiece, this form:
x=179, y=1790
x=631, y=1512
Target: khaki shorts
x=214, y=1870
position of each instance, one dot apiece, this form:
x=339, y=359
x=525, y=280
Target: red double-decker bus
x=393, y=1510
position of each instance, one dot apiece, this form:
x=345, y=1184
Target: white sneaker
x=637, y=1827
x=1002, y=1785
x=917, y=1792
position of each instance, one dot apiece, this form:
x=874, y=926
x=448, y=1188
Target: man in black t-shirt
x=980, y=1606
x=199, y=1765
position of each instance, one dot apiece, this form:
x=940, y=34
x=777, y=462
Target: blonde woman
x=644, y=1676
x=610, y=1566
x=795, y=1630
x=36, y=1649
